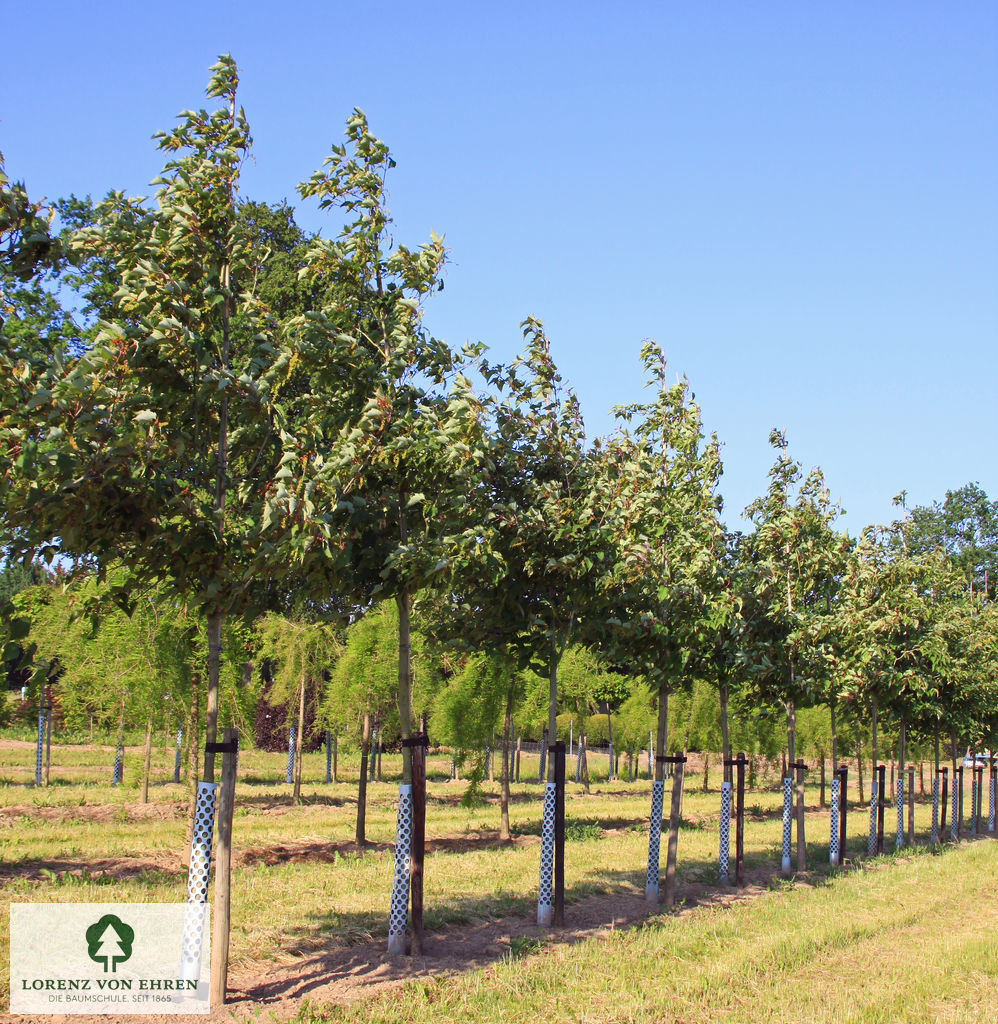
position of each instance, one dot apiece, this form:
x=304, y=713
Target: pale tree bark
x=365, y=743
x=296, y=793
x=507, y=726
x=725, y=740
x=146, y=762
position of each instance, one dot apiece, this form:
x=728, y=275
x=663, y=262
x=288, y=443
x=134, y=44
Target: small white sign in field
x=117, y=958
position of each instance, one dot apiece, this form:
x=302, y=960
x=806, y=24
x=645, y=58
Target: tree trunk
x=706, y=770
x=211, y=708
x=405, y=681
x=584, y=740
x=859, y=769
x=821, y=800
x=937, y=749
x=791, y=733
x=609, y=734
x=952, y=737
x=835, y=741
x=145, y=766
x=296, y=792
x=507, y=726
x=192, y=769
x=725, y=741
x=873, y=737
x=365, y=743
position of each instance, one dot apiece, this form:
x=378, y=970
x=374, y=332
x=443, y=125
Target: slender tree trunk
x=952, y=737
x=145, y=766
x=507, y=726
x=405, y=682
x=192, y=768
x=791, y=733
x=610, y=751
x=211, y=707
x=859, y=769
x=835, y=741
x=365, y=745
x=821, y=801
x=584, y=739
x=725, y=740
x=552, y=704
x=296, y=792
x=873, y=737
x=706, y=770
x=937, y=748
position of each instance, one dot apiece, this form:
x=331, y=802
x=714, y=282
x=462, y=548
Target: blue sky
x=797, y=201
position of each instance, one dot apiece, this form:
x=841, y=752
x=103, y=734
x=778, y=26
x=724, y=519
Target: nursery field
x=906, y=937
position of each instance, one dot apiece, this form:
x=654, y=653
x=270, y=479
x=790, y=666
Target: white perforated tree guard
x=973, y=804
x=39, y=747
x=935, y=809
x=871, y=845
x=724, y=859
x=374, y=756
x=198, y=876
x=398, y=913
x=654, y=840
x=291, y=754
x=545, y=892
x=991, y=802
x=119, y=762
x=899, y=801
x=956, y=808
x=787, y=817
x=578, y=761
x=833, y=838
x=176, y=760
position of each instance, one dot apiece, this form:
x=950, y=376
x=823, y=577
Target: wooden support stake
x=417, y=849
x=800, y=767
x=911, y=805
x=674, y=815
x=223, y=861
x=558, y=752
x=944, y=772
x=738, y=763
x=843, y=807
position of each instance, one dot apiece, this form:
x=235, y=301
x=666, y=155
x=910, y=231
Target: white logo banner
x=116, y=958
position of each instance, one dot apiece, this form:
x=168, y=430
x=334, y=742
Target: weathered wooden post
x=787, y=823
x=991, y=795
x=944, y=802
x=223, y=859
x=291, y=755
x=558, y=752
x=800, y=767
x=911, y=805
x=881, y=805
x=679, y=761
x=871, y=845
x=737, y=763
x=419, y=743
x=979, y=798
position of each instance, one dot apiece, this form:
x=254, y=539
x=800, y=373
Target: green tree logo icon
x=109, y=942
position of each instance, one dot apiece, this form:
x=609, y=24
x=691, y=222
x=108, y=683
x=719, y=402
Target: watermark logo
x=109, y=942
x=109, y=958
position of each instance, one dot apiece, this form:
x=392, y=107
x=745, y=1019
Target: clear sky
x=798, y=201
